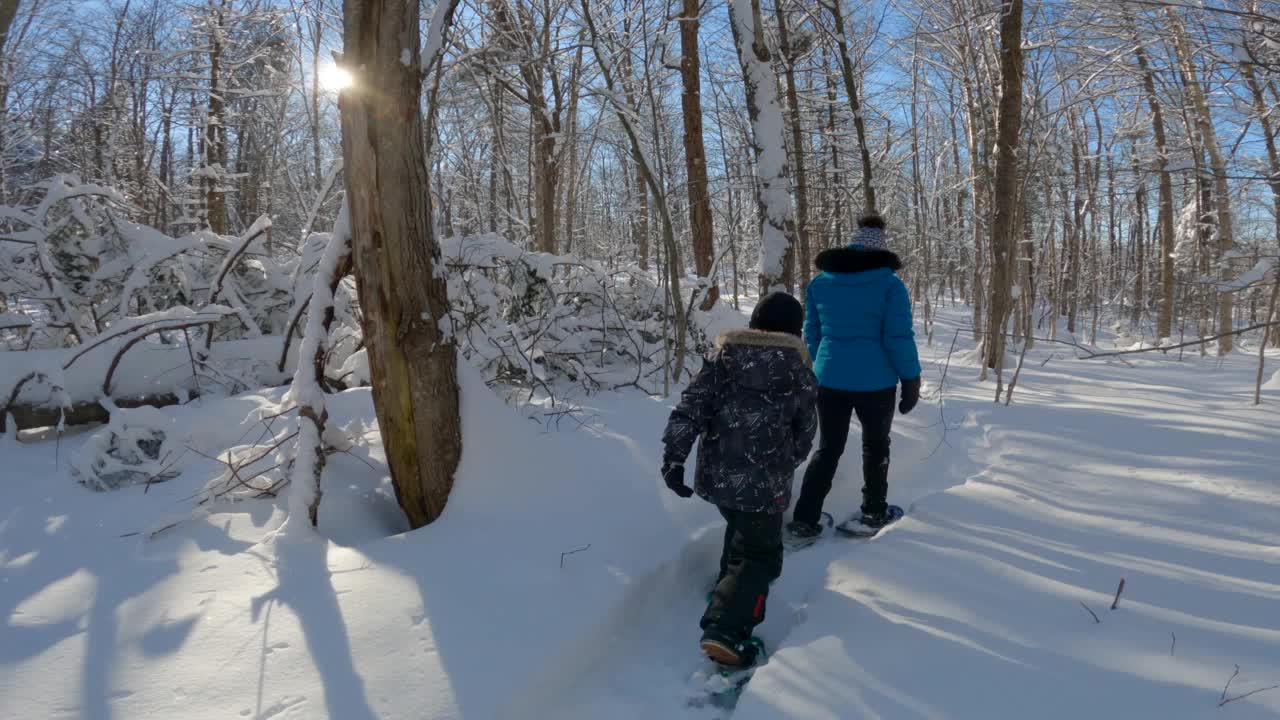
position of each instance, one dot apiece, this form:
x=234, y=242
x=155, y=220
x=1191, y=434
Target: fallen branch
x=1224, y=700
x=1165, y=348
x=115, y=361
x=199, y=318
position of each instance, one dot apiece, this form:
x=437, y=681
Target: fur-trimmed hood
x=856, y=260
x=762, y=338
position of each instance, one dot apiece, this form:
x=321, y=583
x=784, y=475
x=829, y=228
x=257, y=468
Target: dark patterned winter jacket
x=752, y=408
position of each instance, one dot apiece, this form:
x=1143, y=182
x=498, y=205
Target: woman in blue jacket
x=858, y=330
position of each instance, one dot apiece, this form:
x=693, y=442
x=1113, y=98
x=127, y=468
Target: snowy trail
x=1160, y=473
x=640, y=664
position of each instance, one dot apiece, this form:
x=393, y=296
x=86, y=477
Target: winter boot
x=868, y=524
x=801, y=530
x=729, y=648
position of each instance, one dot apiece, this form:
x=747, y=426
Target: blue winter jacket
x=858, y=321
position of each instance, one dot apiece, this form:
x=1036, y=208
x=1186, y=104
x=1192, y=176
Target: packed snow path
x=647, y=657
x=1159, y=472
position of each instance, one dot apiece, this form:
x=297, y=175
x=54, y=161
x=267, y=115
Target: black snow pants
x=751, y=559
x=835, y=409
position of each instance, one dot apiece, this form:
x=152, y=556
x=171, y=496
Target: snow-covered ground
x=565, y=581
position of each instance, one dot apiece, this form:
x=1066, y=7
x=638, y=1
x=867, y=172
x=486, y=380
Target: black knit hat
x=778, y=312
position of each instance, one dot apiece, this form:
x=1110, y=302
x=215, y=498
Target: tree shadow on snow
x=88, y=578
x=304, y=586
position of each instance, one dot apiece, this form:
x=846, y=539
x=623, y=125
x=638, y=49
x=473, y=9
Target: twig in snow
x=195, y=374
x=563, y=555
x=942, y=413
x=1173, y=643
x=1091, y=612
x=1228, y=686
x=1116, y=603
x=1224, y=700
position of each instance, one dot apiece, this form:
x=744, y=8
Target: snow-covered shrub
x=78, y=263
x=531, y=320
x=137, y=446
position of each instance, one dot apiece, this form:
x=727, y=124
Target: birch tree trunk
x=407, y=329
x=777, y=224
x=797, y=144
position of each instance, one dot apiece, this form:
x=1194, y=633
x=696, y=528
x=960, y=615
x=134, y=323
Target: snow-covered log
x=153, y=372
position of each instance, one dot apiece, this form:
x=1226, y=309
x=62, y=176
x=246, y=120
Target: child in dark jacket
x=752, y=410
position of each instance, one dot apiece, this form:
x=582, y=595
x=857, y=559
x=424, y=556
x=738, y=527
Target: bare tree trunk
x=8, y=11
x=1217, y=162
x=851, y=89
x=1071, y=284
x=640, y=213
x=215, y=128
x=316, y=44
x=571, y=191
x=1139, y=235
x=797, y=145
x=835, y=231
x=700, y=221
x=1266, y=335
x=412, y=353
x=1269, y=134
x=546, y=172
x=1006, y=195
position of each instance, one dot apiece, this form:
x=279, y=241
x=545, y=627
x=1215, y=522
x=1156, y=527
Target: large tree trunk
x=695, y=154
x=412, y=354
x=1218, y=164
x=1004, y=206
x=547, y=174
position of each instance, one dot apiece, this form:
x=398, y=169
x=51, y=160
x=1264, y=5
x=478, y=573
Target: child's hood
x=763, y=360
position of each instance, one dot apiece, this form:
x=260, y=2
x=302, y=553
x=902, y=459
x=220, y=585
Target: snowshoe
x=867, y=525
x=720, y=685
x=728, y=651
x=801, y=535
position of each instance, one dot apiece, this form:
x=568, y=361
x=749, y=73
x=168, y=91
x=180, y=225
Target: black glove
x=910, y=395
x=673, y=476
